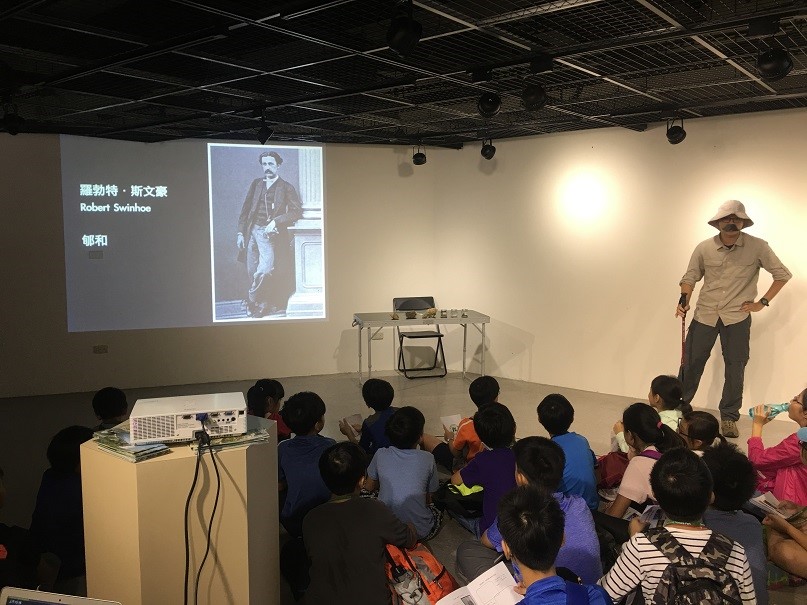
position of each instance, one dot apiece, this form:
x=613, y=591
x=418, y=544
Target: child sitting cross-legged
x=540, y=462
x=405, y=476
x=378, y=395
x=346, y=537
x=493, y=468
x=531, y=523
x=684, y=553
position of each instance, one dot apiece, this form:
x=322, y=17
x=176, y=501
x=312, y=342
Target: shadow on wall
x=509, y=353
x=488, y=166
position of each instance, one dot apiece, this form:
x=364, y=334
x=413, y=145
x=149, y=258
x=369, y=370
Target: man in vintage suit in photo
x=271, y=206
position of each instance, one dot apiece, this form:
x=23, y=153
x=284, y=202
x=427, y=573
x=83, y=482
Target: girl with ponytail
x=700, y=430
x=647, y=435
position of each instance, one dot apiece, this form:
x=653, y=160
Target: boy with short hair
x=556, y=414
x=466, y=443
x=406, y=477
x=494, y=467
x=682, y=485
x=378, y=395
x=531, y=523
x=298, y=460
x=110, y=407
x=734, y=483
x=540, y=463
x=346, y=537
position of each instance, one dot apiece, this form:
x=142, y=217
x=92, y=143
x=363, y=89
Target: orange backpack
x=416, y=576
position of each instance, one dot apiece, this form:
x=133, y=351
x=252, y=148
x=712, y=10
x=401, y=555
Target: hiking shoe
x=729, y=429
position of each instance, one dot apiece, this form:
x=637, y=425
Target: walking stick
x=682, y=302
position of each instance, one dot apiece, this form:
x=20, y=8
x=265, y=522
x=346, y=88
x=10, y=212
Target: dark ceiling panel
x=153, y=70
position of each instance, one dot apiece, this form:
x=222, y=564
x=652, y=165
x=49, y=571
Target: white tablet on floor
x=20, y=596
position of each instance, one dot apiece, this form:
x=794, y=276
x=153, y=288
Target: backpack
x=416, y=576
x=693, y=581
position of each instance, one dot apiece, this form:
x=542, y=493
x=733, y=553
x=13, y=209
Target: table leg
x=360, y=372
x=464, y=345
x=369, y=353
x=483, y=349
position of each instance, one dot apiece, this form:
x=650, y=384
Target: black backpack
x=688, y=580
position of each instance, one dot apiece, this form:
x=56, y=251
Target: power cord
x=205, y=439
x=187, y=509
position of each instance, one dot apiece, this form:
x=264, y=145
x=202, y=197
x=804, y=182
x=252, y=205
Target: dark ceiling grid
x=158, y=69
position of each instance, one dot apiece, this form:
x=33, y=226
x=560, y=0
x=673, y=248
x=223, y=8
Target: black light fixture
x=488, y=150
x=404, y=32
x=264, y=132
x=489, y=104
x=534, y=97
x=675, y=134
x=12, y=121
x=418, y=157
x=774, y=64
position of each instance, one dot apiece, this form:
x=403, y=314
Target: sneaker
x=729, y=429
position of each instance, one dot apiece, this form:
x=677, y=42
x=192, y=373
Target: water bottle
x=773, y=410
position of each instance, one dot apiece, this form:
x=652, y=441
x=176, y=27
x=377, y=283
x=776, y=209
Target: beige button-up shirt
x=730, y=276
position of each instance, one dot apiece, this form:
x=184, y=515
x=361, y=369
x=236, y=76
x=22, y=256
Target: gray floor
x=436, y=397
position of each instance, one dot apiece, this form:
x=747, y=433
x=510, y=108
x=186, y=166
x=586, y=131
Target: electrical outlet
x=100, y=349
x=378, y=335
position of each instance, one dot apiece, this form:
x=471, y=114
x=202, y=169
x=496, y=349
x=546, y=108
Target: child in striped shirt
x=682, y=485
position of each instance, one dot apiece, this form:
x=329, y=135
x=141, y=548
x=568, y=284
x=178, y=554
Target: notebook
x=21, y=596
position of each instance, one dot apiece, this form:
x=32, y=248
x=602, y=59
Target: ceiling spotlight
x=534, y=97
x=418, y=157
x=489, y=104
x=404, y=32
x=774, y=64
x=12, y=121
x=488, y=150
x=675, y=134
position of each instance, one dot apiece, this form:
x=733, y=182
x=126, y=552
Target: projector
x=165, y=419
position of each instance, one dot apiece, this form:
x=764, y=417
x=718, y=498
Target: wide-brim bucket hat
x=728, y=208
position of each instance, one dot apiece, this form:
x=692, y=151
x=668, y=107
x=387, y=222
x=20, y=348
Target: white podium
x=134, y=525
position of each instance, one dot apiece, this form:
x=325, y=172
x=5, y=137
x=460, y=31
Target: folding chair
x=419, y=303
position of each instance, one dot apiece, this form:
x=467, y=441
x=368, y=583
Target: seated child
x=405, y=476
x=650, y=437
x=556, y=415
x=273, y=394
x=782, y=472
x=787, y=543
x=494, y=467
x=345, y=538
x=110, y=407
x=298, y=460
x=540, y=463
x=682, y=485
x=700, y=430
x=466, y=443
x=531, y=523
x=666, y=396
x=378, y=395
x=734, y=479
x=57, y=523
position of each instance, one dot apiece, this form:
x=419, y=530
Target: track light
x=489, y=104
x=12, y=121
x=675, y=134
x=534, y=97
x=264, y=132
x=404, y=32
x=774, y=64
x=488, y=150
x=418, y=157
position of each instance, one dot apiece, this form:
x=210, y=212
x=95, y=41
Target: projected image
x=266, y=232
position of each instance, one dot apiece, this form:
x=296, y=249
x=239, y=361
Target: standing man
x=271, y=206
x=729, y=264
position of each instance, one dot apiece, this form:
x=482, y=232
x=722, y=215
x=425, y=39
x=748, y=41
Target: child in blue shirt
x=531, y=523
x=299, y=480
x=556, y=415
x=405, y=476
x=378, y=395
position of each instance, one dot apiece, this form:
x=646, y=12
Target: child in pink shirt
x=782, y=472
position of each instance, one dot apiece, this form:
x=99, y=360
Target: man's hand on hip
x=240, y=241
x=271, y=228
x=750, y=306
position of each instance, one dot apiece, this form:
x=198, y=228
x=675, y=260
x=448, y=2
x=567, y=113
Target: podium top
x=377, y=320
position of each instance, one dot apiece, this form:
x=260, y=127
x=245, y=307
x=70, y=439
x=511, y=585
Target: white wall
x=575, y=244
x=583, y=302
